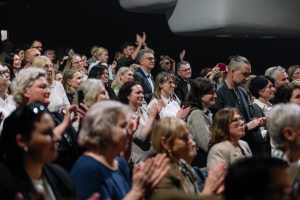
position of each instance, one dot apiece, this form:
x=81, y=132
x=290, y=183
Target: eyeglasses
x=237, y=119
x=167, y=63
x=2, y=72
x=36, y=55
x=151, y=59
x=185, y=70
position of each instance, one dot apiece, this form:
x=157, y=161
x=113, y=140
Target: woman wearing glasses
x=226, y=146
x=58, y=96
x=31, y=86
x=26, y=151
x=7, y=104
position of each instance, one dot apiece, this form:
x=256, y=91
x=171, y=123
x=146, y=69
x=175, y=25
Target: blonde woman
x=125, y=74
x=58, y=97
x=102, y=58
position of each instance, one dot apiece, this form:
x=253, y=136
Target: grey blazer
x=226, y=153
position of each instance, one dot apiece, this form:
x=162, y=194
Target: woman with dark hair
x=26, y=151
x=263, y=90
x=101, y=72
x=14, y=64
x=288, y=94
x=226, y=146
x=201, y=97
x=132, y=94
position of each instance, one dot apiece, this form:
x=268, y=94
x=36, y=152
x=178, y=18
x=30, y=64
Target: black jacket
x=13, y=182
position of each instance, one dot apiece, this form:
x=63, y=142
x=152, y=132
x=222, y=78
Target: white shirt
x=169, y=110
x=58, y=97
x=264, y=107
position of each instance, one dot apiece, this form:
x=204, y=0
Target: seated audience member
x=93, y=91
x=30, y=55
x=124, y=75
x=171, y=136
x=200, y=98
x=184, y=74
x=58, y=97
x=7, y=104
x=278, y=74
x=130, y=51
x=101, y=72
x=31, y=86
x=143, y=74
x=76, y=64
x=71, y=81
x=226, y=144
x=131, y=93
x=58, y=76
x=288, y=94
x=93, y=57
x=164, y=95
x=294, y=73
x=28, y=146
x=258, y=179
x=263, y=90
x=14, y=64
x=102, y=58
x=21, y=53
x=105, y=132
x=166, y=64
x=283, y=126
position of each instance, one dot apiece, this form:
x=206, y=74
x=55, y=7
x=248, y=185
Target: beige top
x=226, y=153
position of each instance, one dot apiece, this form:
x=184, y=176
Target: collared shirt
x=149, y=78
x=264, y=107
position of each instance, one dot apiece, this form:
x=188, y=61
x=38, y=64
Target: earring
x=25, y=149
x=170, y=154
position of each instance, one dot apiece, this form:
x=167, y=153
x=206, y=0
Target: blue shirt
x=90, y=176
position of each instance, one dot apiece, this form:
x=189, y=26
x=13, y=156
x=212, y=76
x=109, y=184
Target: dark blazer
x=226, y=99
x=141, y=77
x=12, y=182
x=181, y=89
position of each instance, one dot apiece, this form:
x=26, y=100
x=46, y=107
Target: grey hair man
x=284, y=129
x=278, y=74
x=143, y=75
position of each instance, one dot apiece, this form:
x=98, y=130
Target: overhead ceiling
x=225, y=18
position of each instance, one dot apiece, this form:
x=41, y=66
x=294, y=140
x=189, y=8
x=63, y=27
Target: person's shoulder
x=220, y=146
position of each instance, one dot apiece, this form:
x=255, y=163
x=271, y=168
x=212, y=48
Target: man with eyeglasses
x=184, y=73
x=143, y=74
x=30, y=55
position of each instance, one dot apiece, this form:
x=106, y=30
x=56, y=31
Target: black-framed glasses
x=2, y=72
x=151, y=59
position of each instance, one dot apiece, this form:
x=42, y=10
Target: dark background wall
x=82, y=24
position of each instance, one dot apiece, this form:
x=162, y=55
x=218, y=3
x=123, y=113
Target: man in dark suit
x=184, y=73
x=231, y=94
x=143, y=73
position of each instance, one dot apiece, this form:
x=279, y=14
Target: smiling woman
x=25, y=153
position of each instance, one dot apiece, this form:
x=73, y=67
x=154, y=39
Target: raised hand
x=182, y=55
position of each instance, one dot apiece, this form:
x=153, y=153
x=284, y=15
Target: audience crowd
x=76, y=126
